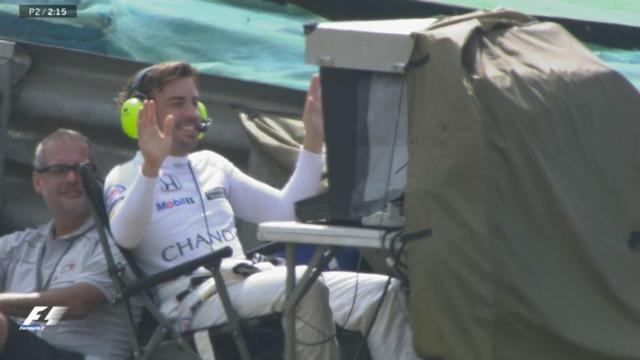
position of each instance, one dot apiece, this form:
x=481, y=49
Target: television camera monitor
x=365, y=106
x=365, y=133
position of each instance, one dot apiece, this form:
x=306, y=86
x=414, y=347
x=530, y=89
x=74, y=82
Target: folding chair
x=132, y=289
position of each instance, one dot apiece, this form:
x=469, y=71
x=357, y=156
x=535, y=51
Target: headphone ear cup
x=203, y=111
x=129, y=116
x=204, y=114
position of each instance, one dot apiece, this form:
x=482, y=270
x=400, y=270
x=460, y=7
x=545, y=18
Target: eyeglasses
x=62, y=169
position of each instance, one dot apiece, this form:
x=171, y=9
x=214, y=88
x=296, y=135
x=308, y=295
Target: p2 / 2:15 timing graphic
x=48, y=11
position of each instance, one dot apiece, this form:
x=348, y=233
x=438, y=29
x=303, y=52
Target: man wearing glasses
x=57, y=271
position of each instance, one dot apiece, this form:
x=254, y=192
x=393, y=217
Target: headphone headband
x=136, y=83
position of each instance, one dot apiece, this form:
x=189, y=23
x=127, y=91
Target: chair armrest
x=211, y=261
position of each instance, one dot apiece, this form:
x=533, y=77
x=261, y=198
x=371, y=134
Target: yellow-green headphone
x=131, y=108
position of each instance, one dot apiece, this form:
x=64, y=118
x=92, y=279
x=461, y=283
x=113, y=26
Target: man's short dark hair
x=157, y=76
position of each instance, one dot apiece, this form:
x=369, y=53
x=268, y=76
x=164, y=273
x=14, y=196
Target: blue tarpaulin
x=254, y=40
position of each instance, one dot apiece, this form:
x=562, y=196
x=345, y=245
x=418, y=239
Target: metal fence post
x=7, y=50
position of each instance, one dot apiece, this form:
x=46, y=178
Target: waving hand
x=154, y=143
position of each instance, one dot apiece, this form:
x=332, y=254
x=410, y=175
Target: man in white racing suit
x=170, y=204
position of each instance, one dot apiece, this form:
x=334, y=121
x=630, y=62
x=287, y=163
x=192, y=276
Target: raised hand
x=313, y=117
x=154, y=143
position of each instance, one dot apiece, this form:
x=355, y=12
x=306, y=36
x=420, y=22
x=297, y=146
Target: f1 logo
x=169, y=183
x=47, y=315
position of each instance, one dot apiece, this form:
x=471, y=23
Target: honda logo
x=169, y=183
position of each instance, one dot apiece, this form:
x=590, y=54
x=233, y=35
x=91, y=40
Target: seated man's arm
x=81, y=291
x=80, y=299
x=256, y=202
x=129, y=200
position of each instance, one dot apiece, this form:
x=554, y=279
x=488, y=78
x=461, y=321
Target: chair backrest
x=94, y=189
x=117, y=269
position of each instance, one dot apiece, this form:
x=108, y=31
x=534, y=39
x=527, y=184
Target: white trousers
x=391, y=335
x=329, y=299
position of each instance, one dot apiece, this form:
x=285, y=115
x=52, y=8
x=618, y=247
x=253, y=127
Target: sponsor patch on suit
x=216, y=193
